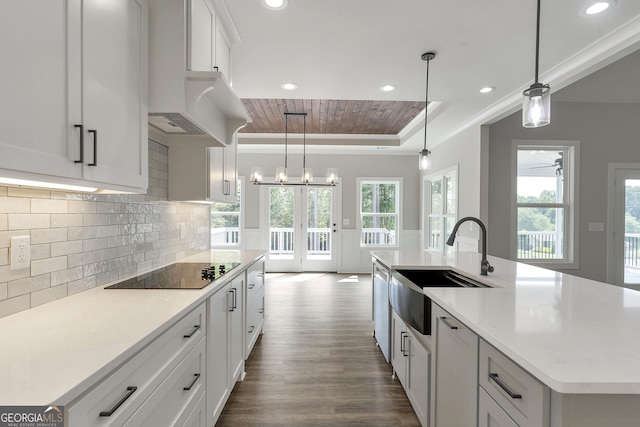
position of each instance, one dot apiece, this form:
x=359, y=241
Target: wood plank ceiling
x=331, y=116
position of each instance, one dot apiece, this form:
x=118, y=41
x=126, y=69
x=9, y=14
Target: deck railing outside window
x=539, y=245
x=281, y=241
x=378, y=236
x=225, y=236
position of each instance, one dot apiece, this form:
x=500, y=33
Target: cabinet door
x=236, y=330
x=216, y=174
x=218, y=387
x=37, y=136
x=418, y=384
x=456, y=371
x=200, y=36
x=114, y=49
x=222, y=51
x=490, y=414
x=230, y=178
x=398, y=350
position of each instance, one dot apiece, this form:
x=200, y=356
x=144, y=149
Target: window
x=379, y=212
x=545, y=205
x=441, y=207
x=225, y=221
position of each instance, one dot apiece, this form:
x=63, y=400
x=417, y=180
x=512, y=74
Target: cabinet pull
x=402, y=334
x=197, y=377
x=81, y=127
x=251, y=286
x=196, y=328
x=227, y=187
x=405, y=352
x=260, y=274
x=251, y=329
x=446, y=322
x=130, y=391
x=95, y=147
x=261, y=311
x=504, y=387
x=235, y=298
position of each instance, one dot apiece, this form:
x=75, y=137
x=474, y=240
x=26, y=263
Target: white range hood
x=196, y=108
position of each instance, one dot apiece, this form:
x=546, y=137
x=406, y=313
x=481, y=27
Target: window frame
x=239, y=214
x=398, y=214
x=570, y=203
x=427, y=181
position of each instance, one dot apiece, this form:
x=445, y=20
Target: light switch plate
x=20, y=252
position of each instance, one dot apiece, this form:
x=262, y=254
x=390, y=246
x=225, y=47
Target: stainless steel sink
x=412, y=305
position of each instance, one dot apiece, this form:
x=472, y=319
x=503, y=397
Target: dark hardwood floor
x=317, y=363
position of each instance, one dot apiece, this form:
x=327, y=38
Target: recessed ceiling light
x=597, y=7
x=487, y=89
x=289, y=86
x=387, y=88
x=275, y=4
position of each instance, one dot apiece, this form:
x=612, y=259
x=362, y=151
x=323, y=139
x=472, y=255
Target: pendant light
x=536, y=106
x=425, y=154
x=281, y=177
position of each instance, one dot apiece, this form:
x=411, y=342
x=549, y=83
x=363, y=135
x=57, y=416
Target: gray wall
x=608, y=133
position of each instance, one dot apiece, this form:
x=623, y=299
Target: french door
x=302, y=228
x=626, y=228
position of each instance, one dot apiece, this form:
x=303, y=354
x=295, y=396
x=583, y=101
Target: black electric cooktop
x=182, y=275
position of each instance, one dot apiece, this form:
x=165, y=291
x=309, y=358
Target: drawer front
x=119, y=395
x=490, y=414
x=255, y=320
x=523, y=398
x=255, y=280
x=173, y=401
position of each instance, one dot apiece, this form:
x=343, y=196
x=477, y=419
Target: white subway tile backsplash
x=28, y=285
x=66, y=220
x=15, y=205
x=48, y=236
x=47, y=295
x=48, y=206
x=48, y=265
x=66, y=248
x=79, y=241
x=14, y=305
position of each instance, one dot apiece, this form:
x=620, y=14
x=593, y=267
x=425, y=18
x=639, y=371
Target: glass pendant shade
x=536, y=107
x=425, y=160
x=256, y=175
x=281, y=175
x=332, y=176
x=307, y=175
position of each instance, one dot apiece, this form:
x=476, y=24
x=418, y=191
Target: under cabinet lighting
x=289, y=86
x=388, y=88
x=49, y=185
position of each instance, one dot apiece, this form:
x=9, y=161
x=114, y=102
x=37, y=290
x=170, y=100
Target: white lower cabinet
x=490, y=414
x=148, y=379
x=225, y=349
x=456, y=371
x=411, y=365
x=255, y=305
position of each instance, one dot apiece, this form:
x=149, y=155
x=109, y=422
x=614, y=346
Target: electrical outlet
x=20, y=252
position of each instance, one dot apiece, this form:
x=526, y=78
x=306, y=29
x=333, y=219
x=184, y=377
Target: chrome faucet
x=485, y=267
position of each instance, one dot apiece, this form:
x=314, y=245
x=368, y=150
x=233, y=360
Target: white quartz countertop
x=575, y=335
x=52, y=353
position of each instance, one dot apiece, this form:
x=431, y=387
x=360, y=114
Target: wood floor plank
x=317, y=363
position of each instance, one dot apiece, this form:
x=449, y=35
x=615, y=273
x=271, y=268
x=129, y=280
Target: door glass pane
x=319, y=222
x=540, y=233
x=632, y=231
x=281, y=220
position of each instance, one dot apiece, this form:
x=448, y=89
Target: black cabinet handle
x=81, y=127
x=402, y=334
x=504, y=387
x=227, y=187
x=446, y=322
x=261, y=311
x=130, y=391
x=251, y=286
x=197, y=377
x=251, y=329
x=405, y=352
x=196, y=328
x=235, y=298
x=95, y=147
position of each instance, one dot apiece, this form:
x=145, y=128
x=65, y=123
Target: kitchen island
x=54, y=353
x=577, y=337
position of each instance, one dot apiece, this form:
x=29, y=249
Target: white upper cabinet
x=222, y=58
x=201, y=39
x=74, y=104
